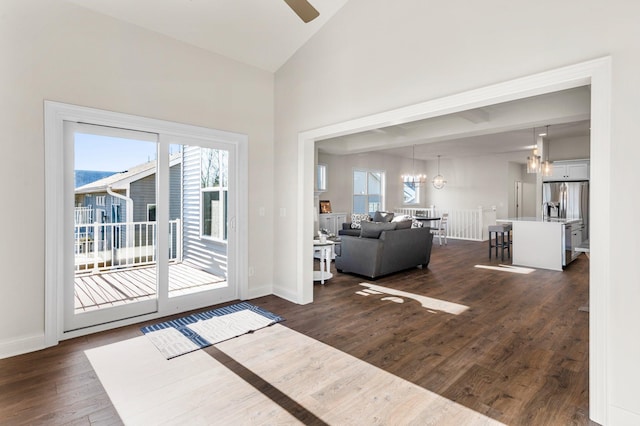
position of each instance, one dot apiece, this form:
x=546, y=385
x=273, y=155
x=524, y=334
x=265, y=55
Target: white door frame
x=55, y=114
x=596, y=73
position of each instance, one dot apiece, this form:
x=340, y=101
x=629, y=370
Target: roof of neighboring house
x=122, y=180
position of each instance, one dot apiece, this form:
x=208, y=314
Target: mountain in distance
x=83, y=177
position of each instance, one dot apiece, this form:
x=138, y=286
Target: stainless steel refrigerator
x=567, y=200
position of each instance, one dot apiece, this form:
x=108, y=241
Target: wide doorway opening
x=595, y=74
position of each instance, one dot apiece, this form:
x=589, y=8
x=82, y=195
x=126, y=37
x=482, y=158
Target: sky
x=109, y=154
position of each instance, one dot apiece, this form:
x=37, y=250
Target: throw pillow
x=404, y=224
x=357, y=218
x=400, y=218
x=382, y=216
x=374, y=229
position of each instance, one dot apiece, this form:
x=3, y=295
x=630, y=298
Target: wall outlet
x=261, y=211
x=283, y=212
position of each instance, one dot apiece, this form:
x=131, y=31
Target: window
x=101, y=200
x=411, y=193
x=151, y=212
x=321, y=177
x=116, y=215
x=368, y=191
x=214, y=189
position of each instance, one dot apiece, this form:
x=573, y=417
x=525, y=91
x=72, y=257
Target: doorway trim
x=55, y=113
x=596, y=73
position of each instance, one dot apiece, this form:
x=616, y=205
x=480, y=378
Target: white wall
x=472, y=182
x=569, y=149
x=61, y=52
x=376, y=55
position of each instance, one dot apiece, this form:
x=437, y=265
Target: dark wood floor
x=519, y=354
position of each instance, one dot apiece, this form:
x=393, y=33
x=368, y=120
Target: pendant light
x=416, y=179
x=438, y=181
x=533, y=161
x=546, y=168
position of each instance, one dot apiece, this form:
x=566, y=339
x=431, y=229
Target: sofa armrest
x=359, y=255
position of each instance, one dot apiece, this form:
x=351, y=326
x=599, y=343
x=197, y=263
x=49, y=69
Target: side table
x=325, y=250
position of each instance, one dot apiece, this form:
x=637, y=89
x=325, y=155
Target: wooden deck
x=116, y=288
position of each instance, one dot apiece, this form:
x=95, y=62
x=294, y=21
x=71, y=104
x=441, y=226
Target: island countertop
x=540, y=243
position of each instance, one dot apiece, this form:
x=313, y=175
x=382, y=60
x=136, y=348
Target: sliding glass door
x=149, y=219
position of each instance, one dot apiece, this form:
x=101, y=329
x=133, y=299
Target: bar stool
x=503, y=239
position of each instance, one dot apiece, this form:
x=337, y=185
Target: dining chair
x=441, y=230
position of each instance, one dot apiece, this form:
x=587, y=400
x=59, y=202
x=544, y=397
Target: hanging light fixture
x=438, y=181
x=546, y=168
x=416, y=179
x=533, y=161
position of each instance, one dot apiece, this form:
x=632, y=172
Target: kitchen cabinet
x=569, y=170
x=332, y=222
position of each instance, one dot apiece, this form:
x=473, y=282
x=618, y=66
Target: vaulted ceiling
x=261, y=33
x=266, y=33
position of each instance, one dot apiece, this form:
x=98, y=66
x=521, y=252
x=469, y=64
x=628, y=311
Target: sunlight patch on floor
x=426, y=302
x=322, y=381
x=507, y=268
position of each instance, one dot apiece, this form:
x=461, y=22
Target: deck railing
x=101, y=247
x=463, y=224
x=83, y=215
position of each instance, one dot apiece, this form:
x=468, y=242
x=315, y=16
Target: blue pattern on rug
x=181, y=324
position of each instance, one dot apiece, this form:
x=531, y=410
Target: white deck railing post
x=111, y=249
x=96, y=243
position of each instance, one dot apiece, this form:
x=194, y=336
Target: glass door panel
x=110, y=224
x=199, y=221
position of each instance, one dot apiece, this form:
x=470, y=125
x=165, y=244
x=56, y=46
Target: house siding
x=203, y=253
x=90, y=200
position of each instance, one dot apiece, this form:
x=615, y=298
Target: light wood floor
x=518, y=354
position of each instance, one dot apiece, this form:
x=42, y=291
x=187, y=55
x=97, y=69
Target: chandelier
x=416, y=179
x=533, y=161
x=547, y=169
x=438, y=181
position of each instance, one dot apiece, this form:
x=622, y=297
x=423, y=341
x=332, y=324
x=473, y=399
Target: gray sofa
x=393, y=251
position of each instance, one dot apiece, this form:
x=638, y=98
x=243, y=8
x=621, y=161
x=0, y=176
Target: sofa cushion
x=374, y=229
x=357, y=218
x=379, y=216
x=404, y=224
x=400, y=218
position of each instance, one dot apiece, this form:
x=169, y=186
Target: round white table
x=325, y=249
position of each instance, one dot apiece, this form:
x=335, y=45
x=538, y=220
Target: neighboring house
x=110, y=198
x=205, y=209
x=130, y=197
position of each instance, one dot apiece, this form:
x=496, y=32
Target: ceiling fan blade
x=303, y=9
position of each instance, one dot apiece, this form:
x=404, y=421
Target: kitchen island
x=544, y=243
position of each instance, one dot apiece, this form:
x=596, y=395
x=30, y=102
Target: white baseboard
x=286, y=294
x=254, y=293
x=23, y=345
x=621, y=417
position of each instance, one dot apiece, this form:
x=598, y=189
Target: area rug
x=187, y=334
